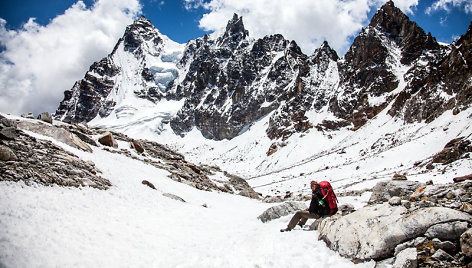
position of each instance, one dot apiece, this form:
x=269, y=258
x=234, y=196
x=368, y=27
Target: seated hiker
x=318, y=207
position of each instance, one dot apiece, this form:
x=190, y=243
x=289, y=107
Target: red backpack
x=329, y=196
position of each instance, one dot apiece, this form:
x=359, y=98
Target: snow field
x=132, y=225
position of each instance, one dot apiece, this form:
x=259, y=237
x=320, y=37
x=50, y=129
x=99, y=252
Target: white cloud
x=447, y=4
x=308, y=22
x=40, y=62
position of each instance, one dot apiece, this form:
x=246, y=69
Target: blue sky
x=41, y=58
x=181, y=24
x=170, y=17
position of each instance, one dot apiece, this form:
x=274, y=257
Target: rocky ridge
x=230, y=81
x=35, y=160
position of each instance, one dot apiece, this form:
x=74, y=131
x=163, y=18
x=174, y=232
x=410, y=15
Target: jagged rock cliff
x=232, y=81
x=226, y=83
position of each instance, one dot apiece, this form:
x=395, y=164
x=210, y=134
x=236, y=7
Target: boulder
x=8, y=133
x=387, y=263
x=281, y=210
x=373, y=232
x=249, y=192
x=466, y=207
x=108, y=140
x=453, y=151
x=447, y=231
x=6, y=154
x=395, y=201
x=384, y=190
x=137, y=146
x=175, y=197
x=447, y=246
x=145, y=182
x=407, y=258
x=84, y=137
x=466, y=243
x=46, y=117
x=399, y=177
x=441, y=255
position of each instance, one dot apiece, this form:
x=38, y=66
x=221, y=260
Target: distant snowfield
x=132, y=225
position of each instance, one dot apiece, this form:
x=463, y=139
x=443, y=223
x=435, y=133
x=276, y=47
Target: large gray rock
x=46, y=117
x=385, y=190
x=441, y=255
x=447, y=231
x=406, y=259
x=56, y=133
x=281, y=210
x=373, y=232
x=6, y=154
x=8, y=133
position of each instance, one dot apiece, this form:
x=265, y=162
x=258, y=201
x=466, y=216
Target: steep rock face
x=141, y=64
x=439, y=81
x=312, y=89
x=87, y=98
x=374, y=66
x=232, y=81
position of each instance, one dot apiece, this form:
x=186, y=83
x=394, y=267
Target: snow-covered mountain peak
x=141, y=32
x=140, y=68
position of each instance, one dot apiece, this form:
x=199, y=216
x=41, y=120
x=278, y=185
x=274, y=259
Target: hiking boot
x=286, y=230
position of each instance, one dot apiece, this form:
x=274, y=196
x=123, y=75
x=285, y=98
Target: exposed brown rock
x=108, y=140
x=145, y=182
x=453, y=151
x=137, y=146
x=6, y=154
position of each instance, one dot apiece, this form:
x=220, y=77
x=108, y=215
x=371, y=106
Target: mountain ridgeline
x=228, y=82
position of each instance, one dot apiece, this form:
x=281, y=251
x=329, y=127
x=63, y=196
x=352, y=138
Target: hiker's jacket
x=315, y=206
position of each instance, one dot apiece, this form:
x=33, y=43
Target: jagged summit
x=234, y=33
x=391, y=21
x=225, y=84
x=325, y=51
x=140, y=31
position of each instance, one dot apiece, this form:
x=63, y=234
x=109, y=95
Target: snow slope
x=352, y=160
x=132, y=225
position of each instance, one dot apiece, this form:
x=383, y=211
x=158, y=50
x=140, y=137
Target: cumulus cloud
x=308, y=22
x=39, y=62
x=447, y=4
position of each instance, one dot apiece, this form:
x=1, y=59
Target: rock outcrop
x=430, y=222
x=57, y=133
x=33, y=160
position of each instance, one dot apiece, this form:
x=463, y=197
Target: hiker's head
x=313, y=185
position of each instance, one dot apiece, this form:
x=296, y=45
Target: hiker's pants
x=301, y=217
